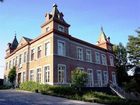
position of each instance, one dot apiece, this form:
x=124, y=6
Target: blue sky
x=119, y=19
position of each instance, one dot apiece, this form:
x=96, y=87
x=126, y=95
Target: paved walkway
x=17, y=97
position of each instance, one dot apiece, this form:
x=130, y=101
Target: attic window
x=47, y=29
x=61, y=28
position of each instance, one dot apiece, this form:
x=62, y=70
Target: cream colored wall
x=44, y=60
x=50, y=25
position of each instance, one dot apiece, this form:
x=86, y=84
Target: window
x=38, y=79
x=61, y=73
x=31, y=75
x=80, y=68
x=47, y=29
x=113, y=78
x=104, y=59
x=39, y=52
x=25, y=56
x=90, y=77
x=24, y=77
x=61, y=28
x=16, y=61
x=20, y=59
x=105, y=75
x=88, y=56
x=13, y=62
x=111, y=61
x=61, y=48
x=32, y=54
x=97, y=56
x=9, y=64
x=47, y=73
x=99, y=78
x=79, y=53
x=47, y=48
x=6, y=65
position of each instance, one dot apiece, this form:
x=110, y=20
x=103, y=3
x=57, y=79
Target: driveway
x=17, y=97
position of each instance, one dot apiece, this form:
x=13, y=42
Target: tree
x=133, y=47
x=79, y=78
x=120, y=63
x=12, y=75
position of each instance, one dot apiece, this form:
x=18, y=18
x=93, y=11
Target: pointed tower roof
x=102, y=36
x=14, y=44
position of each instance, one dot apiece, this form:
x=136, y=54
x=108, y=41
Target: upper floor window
x=6, y=65
x=97, y=56
x=25, y=56
x=104, y=59
x=47, y=29
x=13, y=62
x=61, y=28
x=111, y=61
x=80, y=53
x=47, y=73
x=20, y=59
x=47, y=48
x=39, y=52
x=16, y=61
x=32, y=54
x=61, y=48
x=88, y=56
x=9, y=64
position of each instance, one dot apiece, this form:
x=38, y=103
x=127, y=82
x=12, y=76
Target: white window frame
x=23, y=76
x=97, y=58
x=47, y=74
x=99, y=82
x=90, y=82
x=32, y=75
x=105, y=76
x=33, y=53
x=61, y=51
x=111, y=60
x=47, y=48
x=63, y=79
x=38, y=77
x=80, y=55
x=25, y=57
x=104, y=60
x=114, y=78
x=40, y=46
x=88, y=55
x=61, y=28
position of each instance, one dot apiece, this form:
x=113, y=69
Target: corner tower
x=104, y=41
x=55, y=21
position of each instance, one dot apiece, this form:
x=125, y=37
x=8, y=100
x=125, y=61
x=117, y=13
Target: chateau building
x=50, y=58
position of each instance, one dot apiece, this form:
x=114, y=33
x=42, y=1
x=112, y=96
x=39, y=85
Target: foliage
x=133, y=47
x=12, y=75
x=5, y=87
x=32, y=86
x=79, y=78
x=120, y=63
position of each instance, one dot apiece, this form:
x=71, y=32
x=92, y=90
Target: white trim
x=100, y=84
x=105, y=62
x=61, y=41
x=65, y=72
x=45, y=72
x=78, y=47
x=47, y=41
x=90, y=60
x=99, y=58
x=92, y=76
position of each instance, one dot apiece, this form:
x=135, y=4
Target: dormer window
x=47, y=29
x=61, y=28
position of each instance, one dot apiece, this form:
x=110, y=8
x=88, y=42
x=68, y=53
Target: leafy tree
x=79, y=78
x=120, y=63
x=12, y=75
x=133, y=47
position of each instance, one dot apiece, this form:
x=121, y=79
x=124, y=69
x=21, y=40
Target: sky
x=119, y=18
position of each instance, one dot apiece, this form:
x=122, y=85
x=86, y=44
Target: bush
x=32, y=86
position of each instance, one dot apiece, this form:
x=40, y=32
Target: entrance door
x=99, y=78
x=19, y=78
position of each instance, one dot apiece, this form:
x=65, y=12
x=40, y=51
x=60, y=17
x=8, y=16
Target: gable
x=22, y=42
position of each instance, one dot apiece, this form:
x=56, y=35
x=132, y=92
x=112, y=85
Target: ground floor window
x=61, y=73
x=38, y=79
x=105, y=75
x=113, y=78
x=99, y=78
x=90, y=78
x=24, y=77
x=31, y=75
x=47, y=73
